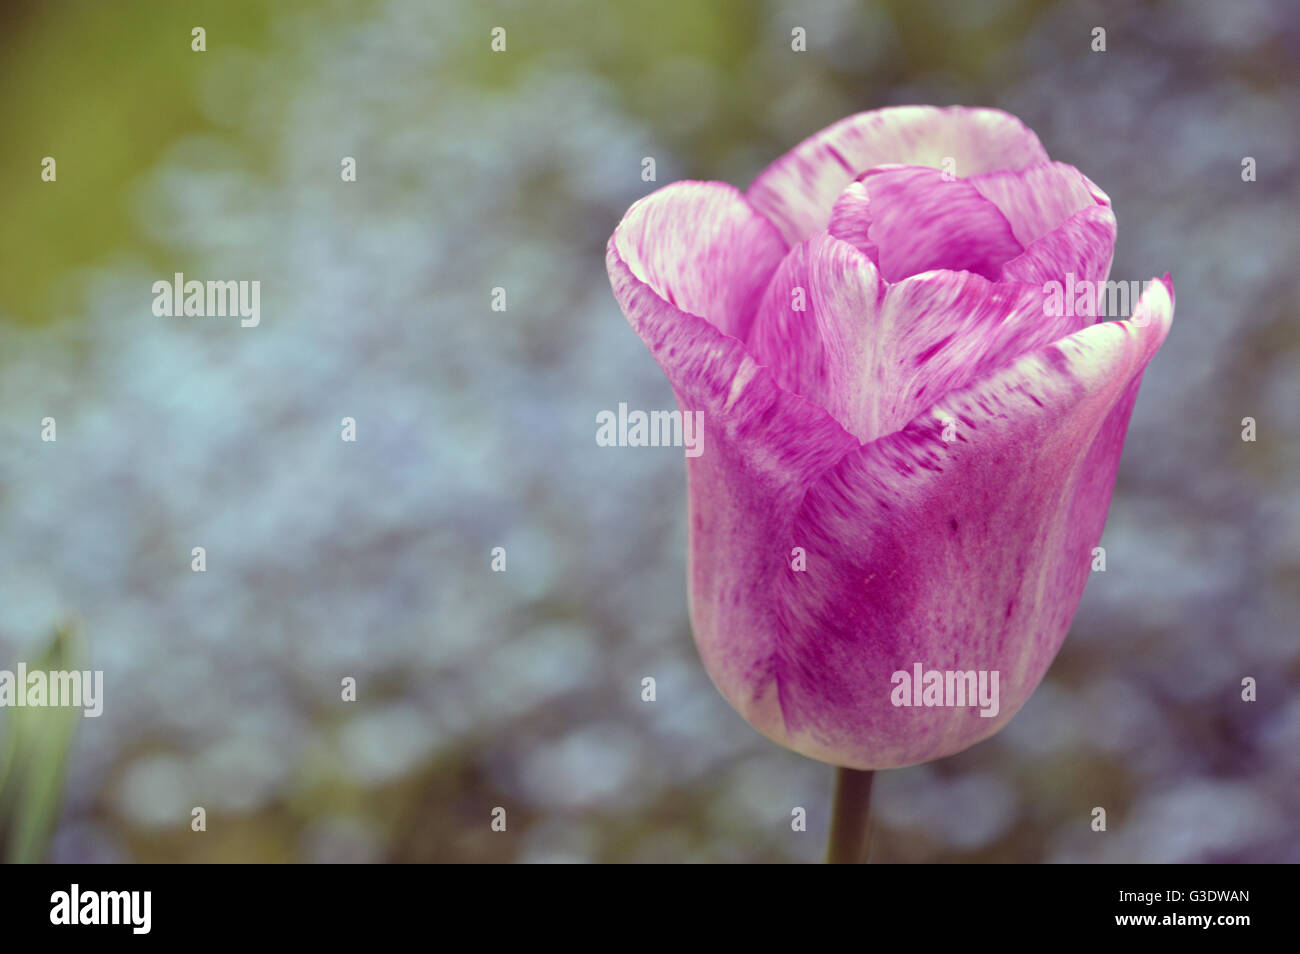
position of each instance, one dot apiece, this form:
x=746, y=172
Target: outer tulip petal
x=918, y=219
x=897, y=533
x=701, y=247
x=763, y=446
x=799, y=189
x=874, y=355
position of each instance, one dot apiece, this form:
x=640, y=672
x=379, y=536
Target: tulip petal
x=851, y=220
x=918, y=219
x=876, y=355
x=1064, y=221
x=702, y=248
x=1038, y=199
x=1083, y=246
x=763, y=446
x=966, y=555
x=798, y=190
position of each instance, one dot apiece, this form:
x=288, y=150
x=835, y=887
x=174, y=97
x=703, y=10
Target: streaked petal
x=762, y=445
x=876, y=355
x=911, y=219
x=798, y=190
x=969, y=555
x=1083, y=246
x=1040, y=198
x=701, y=247
x=851, y=221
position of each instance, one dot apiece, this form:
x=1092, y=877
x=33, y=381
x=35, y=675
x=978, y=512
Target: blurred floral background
x=476, y=429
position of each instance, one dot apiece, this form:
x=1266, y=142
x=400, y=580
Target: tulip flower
x=911, y=445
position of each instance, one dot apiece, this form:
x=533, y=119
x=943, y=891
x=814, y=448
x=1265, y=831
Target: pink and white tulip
x=940, y=451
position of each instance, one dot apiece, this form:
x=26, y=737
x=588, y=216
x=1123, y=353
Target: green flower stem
x=851, y=818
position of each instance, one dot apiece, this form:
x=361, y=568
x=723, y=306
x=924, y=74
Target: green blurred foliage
x=104, y=88
x=34, y=748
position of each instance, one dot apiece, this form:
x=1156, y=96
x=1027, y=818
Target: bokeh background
x=476, y=429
